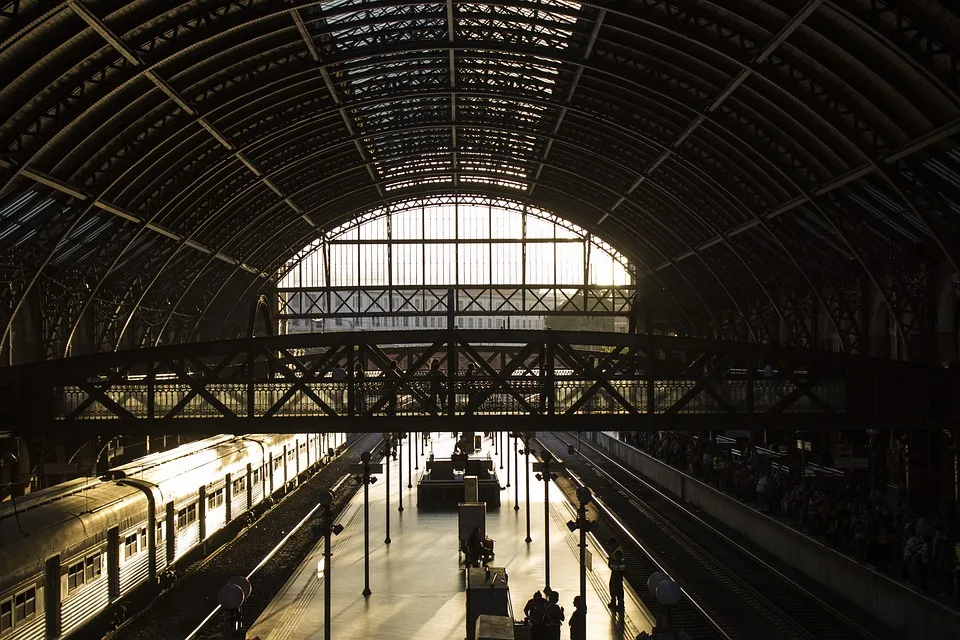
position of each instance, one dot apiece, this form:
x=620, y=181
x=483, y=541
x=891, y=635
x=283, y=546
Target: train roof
x=28, y=537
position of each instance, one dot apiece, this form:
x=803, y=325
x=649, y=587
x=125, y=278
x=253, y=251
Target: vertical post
x=546, y=518
x=388, y=444
x=507, y=436
x=327, y=565
x=516, y=473
x=365, y=456
x=351, y=380
x=416, y=447
x=453, y=359
x=582, y=521
x=151, y=391
x=500, y=452
x=251, y=388
x=410, y=461
x=400, y=471
x=526, y=475
x=551, y=380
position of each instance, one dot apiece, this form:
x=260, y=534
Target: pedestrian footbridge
x=481, y=378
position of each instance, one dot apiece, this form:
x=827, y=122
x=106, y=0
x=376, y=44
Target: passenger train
x=70, y=551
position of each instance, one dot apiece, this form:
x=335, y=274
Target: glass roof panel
x=543, y=30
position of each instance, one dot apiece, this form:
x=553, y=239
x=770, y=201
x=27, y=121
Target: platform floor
x=418, y=590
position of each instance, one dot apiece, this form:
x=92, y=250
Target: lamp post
x=364, y=470
x=326, y=500
x=545, y=475
x=399, y=438
x=527, y=436
x=668, y=594
x=231, y=597
x=507, y=438
x=500, y=447
x=584, y=496
x=389, y=451
x=516, y=472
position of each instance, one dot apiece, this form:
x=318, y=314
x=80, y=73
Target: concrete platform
x=418, y=590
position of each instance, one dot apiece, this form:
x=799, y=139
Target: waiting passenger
x=578, y=620
x=553, y=620
x=438, y=399
x=535, y=610
x=359, y=397
x=477, y=553
x=617, y=568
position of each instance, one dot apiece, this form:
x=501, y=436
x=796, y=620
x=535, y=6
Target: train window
x=159, y=532
x=6, y=615
x=130, y=546
x=239, y=485
x=186, y=516
x=94, y=567
x=255, y=476
x=75, y=577
x=215, y=499
x=277, y=463
x=143, y=538
x=25, y=606
x=290, y=454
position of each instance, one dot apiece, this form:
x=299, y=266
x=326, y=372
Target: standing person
x=393, y=382
x=438, y=398
x=359, y=400
x=339, y=385
x=470, y=376
x=617, y=568
x=535, y=610
x=578, y=620
x=553, y=620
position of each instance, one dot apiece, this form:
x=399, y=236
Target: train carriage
x=69, y=551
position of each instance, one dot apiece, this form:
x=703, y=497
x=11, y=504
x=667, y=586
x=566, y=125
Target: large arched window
x=505, y=262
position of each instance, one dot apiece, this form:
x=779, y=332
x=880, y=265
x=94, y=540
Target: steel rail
x=687, y=540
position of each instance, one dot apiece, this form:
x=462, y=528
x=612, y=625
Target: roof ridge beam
x=587, y=51
x=62, y=187
x=117, y=43
x=332, y=90
x=911, y=148
x=738, y=80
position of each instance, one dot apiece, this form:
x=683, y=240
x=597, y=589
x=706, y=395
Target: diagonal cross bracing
x=915, y=146
x=332, y=90
x=114, y=41
x=77, y=194
x=734, y=84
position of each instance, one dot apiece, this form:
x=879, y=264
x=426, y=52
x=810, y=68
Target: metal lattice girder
x=685, y=134
x=275, y=383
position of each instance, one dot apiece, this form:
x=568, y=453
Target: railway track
x=728, y=580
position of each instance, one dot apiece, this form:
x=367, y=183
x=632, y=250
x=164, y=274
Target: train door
x=52, y=597
x=113, y=562
x=228, y=498
x=171, y=533
x=202, y=506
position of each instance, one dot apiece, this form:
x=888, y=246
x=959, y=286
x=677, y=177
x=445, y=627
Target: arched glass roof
x=159, y=163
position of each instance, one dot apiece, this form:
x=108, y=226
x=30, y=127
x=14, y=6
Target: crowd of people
x=545, y=615
x=923, y=551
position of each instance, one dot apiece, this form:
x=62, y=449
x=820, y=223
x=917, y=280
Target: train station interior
x=525, y=320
